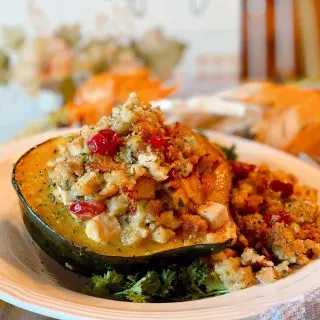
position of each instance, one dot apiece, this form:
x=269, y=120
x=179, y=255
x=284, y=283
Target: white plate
x=27, y=283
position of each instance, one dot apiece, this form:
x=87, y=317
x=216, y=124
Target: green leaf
x=103, y=286
x=67, y=89
x=214, y=285
x=200, y=282
x=142, y=290
x=229, y=152
x=175, y=283
x=201, y=133
x=193, y=278
x=169, y=281
x=131, y=280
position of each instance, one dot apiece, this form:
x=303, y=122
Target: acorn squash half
x=63, y=238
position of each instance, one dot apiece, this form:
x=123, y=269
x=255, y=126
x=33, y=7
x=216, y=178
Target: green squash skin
x=85, y=262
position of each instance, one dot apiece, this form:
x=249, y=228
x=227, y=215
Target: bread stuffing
x=278, y=227
x=132, y=178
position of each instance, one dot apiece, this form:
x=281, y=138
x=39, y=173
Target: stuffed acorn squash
x=128, y=192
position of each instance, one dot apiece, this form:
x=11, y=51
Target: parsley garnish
x=175, y=283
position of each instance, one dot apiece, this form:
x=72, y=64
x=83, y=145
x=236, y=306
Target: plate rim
x=7, y=290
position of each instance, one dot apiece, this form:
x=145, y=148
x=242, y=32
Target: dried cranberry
x=241, y=170
x=310, y=232
x=255, y=236
x=266, y=253
x=258, y=245
x=207, y=183
x=105, y=142
x=310, y=254
x=255, y=266
x=133, y=206
x=87, y=209
x=261, y=185
x=247, y=209
x=173, y=174
x=156, y=141
x=273, y=217
x=286, y=189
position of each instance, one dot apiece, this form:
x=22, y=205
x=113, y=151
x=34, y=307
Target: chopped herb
x=229, y=152
x=53, y=184
x=141, y=290
x=200, y=132
x=52, y=197
x=84, y=153
x=169, y=282
x=180, y=203
x=68, y=184
x=132, y=172
x=60, y=210
x=106, y=285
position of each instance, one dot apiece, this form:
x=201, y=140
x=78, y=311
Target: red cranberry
x=133, y=206
x=105, y=142
x=310, y=254
x=87, y=209
x=242, y=170
x=286, y=189
x=266, y=253
x=273, y=217
x=156, y=141
x=261, y=185
x=207, y=184
x=173, y=174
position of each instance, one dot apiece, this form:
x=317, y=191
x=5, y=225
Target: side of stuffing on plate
x=278, y=227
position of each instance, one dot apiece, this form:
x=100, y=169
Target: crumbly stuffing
x=278, y=224
x=249, y=257
x=233, y=275
x=266, y=275
x=301, y=211
x=147, y=176
x=224, y=254
x=282, y=269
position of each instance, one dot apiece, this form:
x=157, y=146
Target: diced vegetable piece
x=85, y=210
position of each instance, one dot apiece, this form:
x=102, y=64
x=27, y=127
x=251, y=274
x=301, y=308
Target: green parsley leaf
x=174, y=283
x=106, y=285
x=229, y=152
x=143, y=289
x=169, y=280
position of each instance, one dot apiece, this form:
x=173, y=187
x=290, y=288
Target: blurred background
x=233, y=66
